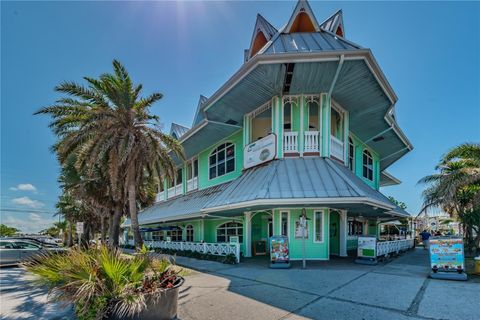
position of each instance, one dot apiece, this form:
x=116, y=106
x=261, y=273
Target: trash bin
x=477, y=265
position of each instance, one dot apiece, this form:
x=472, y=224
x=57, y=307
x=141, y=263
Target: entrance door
x=334, y=233
x=270, y=228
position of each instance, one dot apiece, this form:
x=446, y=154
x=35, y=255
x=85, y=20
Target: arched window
x=367, y=165
x=189, y=233
x=351, y=154
x=229, y=229
x=222, y=160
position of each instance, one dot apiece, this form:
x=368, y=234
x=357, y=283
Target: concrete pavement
x=336, y=289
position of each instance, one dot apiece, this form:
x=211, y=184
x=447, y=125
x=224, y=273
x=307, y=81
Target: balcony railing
x=311, y=141
x=336, y=148
x=160, y=196
x=174, y=191
x=290, y=142
x=192, y=184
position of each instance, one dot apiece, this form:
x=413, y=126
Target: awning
x=165, y=228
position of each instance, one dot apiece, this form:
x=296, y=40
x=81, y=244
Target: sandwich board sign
x=279, y=252
x=447, y=259
x=367, y=250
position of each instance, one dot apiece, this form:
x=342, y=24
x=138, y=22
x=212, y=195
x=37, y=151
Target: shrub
x=228, y=259
x=102, y=281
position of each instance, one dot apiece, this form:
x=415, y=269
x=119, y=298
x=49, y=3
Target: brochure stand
x=367, y=250
x=279, y=252
x=447, y=259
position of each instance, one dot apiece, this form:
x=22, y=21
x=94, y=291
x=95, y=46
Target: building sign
x=446, y=254
x=300, y=230
x=260, y=151
x=367, y=247
x=79, y=227
x=279, y=249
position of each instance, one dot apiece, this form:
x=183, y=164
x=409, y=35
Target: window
x=355, y=228
x=192, y=169
x=318, y=226
x=284, y=224
x=178, y=179
x=189, y=231
x=222, y=160
x=367, y=165
x=226, y=230
x=351, y=154
x=26, y=245
x=287, y=117
x=313, y=116
x=157, y=236
x=6, y=245
x=175, y=235
x=336, y=124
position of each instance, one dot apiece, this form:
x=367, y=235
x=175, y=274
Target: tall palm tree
x=109, y=126
x=456, y=187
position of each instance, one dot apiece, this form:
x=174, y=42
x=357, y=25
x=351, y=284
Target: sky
x=429, y=52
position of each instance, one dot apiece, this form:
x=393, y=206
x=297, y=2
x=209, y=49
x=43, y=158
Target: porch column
x=248, y=234
x=202, y=230
x=343, y=233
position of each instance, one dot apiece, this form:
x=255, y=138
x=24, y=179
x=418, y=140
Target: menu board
x=367, y=247
x=446, y=254
x=279, y=249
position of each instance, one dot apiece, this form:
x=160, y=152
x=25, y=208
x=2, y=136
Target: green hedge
x=228, y=259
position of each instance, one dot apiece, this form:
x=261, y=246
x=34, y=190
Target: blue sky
x=429, y=52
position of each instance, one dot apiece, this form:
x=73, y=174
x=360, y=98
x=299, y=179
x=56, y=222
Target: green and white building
x=307, y=124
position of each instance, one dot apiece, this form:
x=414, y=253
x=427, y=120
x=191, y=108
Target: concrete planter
x=160, y=306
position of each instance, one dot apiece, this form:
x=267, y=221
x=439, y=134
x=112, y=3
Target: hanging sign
x=260, y=151
x=367, y=247
x=301, y=229
x=79, y=227
x=446, y=254
x=279, y=249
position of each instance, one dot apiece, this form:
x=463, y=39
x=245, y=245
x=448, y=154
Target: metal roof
x=199, y=114
x=321, y=179
x=308, y=42
x=177, y=130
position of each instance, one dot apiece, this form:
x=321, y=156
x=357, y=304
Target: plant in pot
x=104, y=283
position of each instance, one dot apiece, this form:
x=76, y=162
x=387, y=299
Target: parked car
x=13, y=251
x=40, y=241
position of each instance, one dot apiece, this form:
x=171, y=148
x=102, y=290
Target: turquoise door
x=334, y=233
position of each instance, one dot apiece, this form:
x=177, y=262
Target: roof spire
x=334, y=24
x=302, y=19
x=262, y=33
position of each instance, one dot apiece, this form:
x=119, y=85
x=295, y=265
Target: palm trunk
x=132, y=203
x=114, y=231
x=70, y=234
x=103, y=230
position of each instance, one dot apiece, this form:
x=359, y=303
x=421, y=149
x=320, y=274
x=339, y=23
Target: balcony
x=290, y=142
x=336, y=148
x=192, y=184
x=174, y=191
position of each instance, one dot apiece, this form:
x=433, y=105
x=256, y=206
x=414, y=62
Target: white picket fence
x=218, y=249
x=387, y=247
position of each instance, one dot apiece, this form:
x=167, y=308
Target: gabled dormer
x=334, y=24
x=177, y=130
x=302, y=19
x=199, y=114
x=262, y=33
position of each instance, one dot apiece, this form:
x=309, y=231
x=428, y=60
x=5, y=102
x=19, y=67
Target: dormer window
x=222, y=160
x=367, y=165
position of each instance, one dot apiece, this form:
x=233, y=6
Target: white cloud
x=26, y=201
x=33, y=223
x=25, y=187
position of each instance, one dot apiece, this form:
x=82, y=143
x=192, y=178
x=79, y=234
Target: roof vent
x=232, y=122
x=378, y=139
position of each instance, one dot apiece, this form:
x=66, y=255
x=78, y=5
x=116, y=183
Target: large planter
x=160, y=306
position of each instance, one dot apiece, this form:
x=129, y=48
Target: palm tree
x=108, y=126
x=456, y=188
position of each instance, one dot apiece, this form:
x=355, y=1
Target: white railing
x=311, y=141
x=218, y=249
x=290, y=142
x=160, y=196
x=174, y=191
x=387, y=247
x=336, y=148
x=192, y=184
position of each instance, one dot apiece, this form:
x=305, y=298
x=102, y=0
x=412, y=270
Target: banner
x=367, y=247
x=446, y=254
x=260, y=151
x=279, y=249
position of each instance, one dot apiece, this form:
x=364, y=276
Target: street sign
x=79, y=227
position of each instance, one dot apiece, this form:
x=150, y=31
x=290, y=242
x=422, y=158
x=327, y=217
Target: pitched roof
x=199, y=114
x=177, y=130
x=302, y=7
x=262, y=33
x=334, y=24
